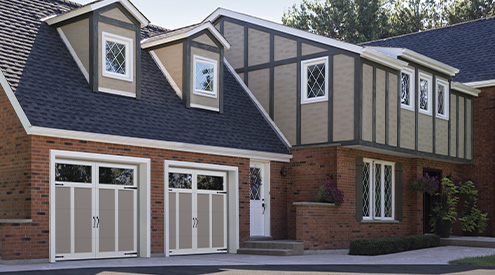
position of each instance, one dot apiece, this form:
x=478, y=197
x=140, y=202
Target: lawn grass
x=483, y=260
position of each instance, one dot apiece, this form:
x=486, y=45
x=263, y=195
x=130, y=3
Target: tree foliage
x=358, y=21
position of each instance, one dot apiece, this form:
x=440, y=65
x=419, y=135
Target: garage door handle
x=98, y=223
x=94, y=221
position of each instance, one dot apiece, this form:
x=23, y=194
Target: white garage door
x=197, y=211
x=95, y=210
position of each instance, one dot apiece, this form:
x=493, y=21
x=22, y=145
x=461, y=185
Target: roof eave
x=383, y=59
x=481, y=84
x=463, y=88
x=51, y=20
x=429, y=62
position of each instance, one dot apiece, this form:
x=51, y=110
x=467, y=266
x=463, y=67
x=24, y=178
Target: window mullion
x=382, y=187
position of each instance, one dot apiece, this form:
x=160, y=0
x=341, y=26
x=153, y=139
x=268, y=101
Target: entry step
x=272, y=247
x=469, y=241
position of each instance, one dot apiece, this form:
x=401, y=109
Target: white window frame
x=214, y=63
x=446, y=97
x=412, y=96
x=429, y=105
x=304, y=80
x=371, y=200
x=129, y=52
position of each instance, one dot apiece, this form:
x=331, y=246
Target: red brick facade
x=482, y=171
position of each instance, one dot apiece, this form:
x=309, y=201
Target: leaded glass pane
x=423, y=94
x=388, y=191
x=115, y=57
x=255, y=184
x=179, y=180
x=72, y=173
x=210, y=182
x=405, y=92
x=316, y=80
x=204, y=76
x=378, y=190
x=366, y=190
x=116, y=176
x=440, y=100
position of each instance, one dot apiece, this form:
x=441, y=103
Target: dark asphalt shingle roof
x=468, y=46
x=54, y=93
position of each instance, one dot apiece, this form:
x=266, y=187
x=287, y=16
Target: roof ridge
x=428, y=30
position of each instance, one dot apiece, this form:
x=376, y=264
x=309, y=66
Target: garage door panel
x=106, y=220
x=218, y=221
x=173, y=220
x=203, y=220
x=127, y=215
x=62, y=223
x=185, y=221
x=83, y=219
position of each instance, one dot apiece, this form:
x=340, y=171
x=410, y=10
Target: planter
x=443, y=228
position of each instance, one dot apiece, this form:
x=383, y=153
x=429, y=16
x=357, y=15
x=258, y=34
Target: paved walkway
x=431, y=256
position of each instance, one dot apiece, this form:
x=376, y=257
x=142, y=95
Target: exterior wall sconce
x=283, y=171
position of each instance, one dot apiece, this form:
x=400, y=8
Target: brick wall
x=31, y=241
x=326, y=228
x=482, y=171
x=14, y=164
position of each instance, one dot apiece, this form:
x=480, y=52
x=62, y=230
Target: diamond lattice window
x=115, y=57
x=255, y=184
x=316, y=80
x=441, y=100
x=366, y=190
x=423, y=94
x=405, y=89
x=204, y=76
x=378, y=190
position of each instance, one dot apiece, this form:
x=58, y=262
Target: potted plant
x=473, y=221
x=444, y=213
x=329, y=193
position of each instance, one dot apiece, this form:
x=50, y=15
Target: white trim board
x=73, y=53
x=364, y=52
x=481, y=84
x=206, y=25
x=158, y=144
x=257, y=103
x=15, y=104
x=54, y=19
x=466, y=89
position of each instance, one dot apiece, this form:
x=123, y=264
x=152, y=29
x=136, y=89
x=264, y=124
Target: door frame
x=266, y=193
x=144, y=197
x=232, y=200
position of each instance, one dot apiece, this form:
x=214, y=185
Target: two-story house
x=125, y=139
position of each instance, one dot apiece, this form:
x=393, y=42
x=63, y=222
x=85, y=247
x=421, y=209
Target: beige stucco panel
x=199, y=99
x=117, y=14
x=314, y=123
x=205, y=40
x=392, y=109
x=285, y=96
x=453, y=126
x=425, y=133
x=284, y=48
x=367, y=114
x=258, y=47
x=171, y=58
x=441, y=136
x=380, y=106
x=469, y=144
x=407, y=129
x=461, y=127
x=112, y=83
x=259, y=84
x=234, y=33
x=343, y=98
x=310, y=49
x=78, y=35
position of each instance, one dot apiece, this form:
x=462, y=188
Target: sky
x=174, y=14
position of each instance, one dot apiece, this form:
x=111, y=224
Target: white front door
x=95, y=210
x=259, y=210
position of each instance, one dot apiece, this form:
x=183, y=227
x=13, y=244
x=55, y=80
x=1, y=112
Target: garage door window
x=72, y=173
x=180, y=181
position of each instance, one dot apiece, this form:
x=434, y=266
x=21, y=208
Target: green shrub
x=392, y=245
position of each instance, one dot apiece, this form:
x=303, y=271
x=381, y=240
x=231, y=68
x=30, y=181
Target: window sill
x=405, y=107
x=379, y=221
x=314, y=203
x=422, y=112
x=442, y=117
x=314, y=101
x=205, y=94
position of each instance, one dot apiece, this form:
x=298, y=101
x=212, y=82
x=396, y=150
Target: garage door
x=197, y=211
x=95, y=210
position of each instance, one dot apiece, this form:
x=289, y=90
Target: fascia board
x=463, y=88
x=481, y=84
x=383, y=59
x=15, y=104
x=159, y=144
x=429, y=62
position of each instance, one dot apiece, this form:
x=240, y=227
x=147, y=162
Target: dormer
x=104, y=40
x=191, y=58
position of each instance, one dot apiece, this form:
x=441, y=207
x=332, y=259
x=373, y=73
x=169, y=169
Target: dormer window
x=205, y=76
x=117, y=57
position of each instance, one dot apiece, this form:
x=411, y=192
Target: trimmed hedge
x=392, y=245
